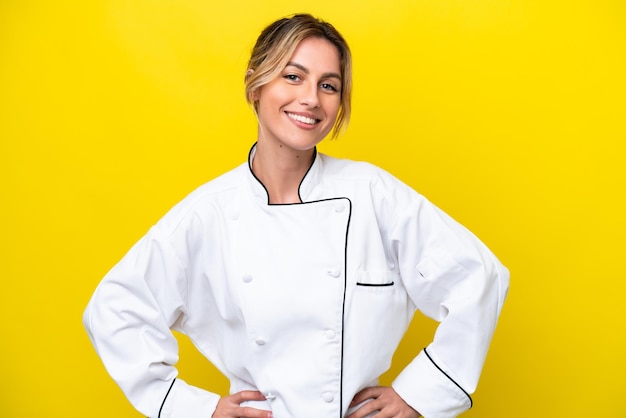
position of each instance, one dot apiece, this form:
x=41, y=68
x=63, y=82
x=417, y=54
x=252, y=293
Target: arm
x=453, y=278
x=128, y=320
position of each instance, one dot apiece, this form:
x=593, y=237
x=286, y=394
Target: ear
x=254, y=95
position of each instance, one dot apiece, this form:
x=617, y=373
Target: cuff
x=427, y=387
x=186, y=401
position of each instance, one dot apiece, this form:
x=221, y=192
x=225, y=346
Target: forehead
x=317, y=54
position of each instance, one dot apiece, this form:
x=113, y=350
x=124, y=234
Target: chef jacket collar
x=308, y=183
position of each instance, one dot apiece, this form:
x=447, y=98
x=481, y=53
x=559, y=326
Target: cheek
x=332, y=106
x=274, y=100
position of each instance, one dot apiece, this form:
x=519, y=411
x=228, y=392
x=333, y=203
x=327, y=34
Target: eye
x=291, y=77
x=329, y=87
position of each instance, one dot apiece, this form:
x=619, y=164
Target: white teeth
x=302, y=119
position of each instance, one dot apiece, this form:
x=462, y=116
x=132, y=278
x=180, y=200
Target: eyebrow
x=306, y=70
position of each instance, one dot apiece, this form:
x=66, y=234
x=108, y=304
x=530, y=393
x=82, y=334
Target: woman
x=297, y=274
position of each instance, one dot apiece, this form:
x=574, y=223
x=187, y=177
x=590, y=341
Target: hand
x=230, y=406
x=385, y=400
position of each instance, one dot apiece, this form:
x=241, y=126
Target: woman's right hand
x=230, y=406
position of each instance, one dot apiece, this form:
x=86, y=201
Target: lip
x=300, y=123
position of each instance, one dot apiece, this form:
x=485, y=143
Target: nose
x=309, y=96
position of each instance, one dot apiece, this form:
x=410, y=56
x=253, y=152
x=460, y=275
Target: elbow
x=502, y=283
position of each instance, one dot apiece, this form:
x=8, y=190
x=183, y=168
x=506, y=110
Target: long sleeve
x=128, y=320
x=452, y=277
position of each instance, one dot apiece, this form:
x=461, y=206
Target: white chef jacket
x=304, y=302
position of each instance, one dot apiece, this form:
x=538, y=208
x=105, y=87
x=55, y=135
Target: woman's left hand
x=383, y=399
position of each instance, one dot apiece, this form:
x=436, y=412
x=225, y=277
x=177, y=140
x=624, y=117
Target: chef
x=297, y=274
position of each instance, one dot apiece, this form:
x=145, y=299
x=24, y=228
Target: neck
x=281, y=171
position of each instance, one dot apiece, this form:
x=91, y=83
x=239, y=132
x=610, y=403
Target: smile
x=303, y=119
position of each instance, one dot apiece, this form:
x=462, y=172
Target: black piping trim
x=254, y=175
x=374, y=285
x=307, y=172
x=330, y=199
x=452, y=380
x=343, y=308
x=265, y=188
x=163, y=403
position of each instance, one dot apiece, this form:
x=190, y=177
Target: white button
x=259, y=341
x=328, y=396
x=330, y=334
x=270, y=396
x=340, y=208
x=247, y=278
x=334, y=272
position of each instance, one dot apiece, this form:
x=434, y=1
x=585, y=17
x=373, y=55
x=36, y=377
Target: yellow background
x=508, y=114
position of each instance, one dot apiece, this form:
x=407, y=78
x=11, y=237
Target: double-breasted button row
x=329, y=334
x=328, y=396
x=332, y=272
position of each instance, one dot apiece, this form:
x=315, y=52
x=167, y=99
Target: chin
x=303, y=143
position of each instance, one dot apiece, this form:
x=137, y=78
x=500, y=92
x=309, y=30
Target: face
x=298, y=108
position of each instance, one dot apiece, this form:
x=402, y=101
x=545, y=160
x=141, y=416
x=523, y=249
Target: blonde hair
x=275, y=47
